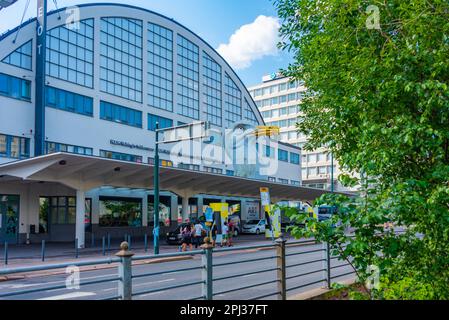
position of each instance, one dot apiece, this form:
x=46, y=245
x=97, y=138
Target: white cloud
x=252, y=42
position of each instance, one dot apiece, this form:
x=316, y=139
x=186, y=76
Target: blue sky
x=214, y=20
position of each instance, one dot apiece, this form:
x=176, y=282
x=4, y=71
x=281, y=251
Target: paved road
x=235, y=268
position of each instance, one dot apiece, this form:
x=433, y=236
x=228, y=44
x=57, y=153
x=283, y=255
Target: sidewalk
x=30, y=255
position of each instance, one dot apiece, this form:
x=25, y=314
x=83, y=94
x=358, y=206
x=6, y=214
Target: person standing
x=225, y=231
x=231, y=228
x=198, y=234
x=186, y=236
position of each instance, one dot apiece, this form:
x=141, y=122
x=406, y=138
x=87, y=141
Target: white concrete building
x=109, y=77
x=279, y=101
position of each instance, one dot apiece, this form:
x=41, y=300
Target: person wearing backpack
x=186, y=236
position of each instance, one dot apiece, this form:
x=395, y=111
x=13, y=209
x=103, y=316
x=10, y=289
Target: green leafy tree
x=377, y=74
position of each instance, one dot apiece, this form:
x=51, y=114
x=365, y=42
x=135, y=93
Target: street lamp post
x=156, y=193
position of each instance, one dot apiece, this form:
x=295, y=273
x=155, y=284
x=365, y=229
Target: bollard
x=129, y=241
x=104, y=245
x=206, y=274
x=6, y=252
x=145, y=240
x=125, y=272
x=109, y=241
x=280, y=261
x=92, y=240
x=126, y=237
x=76, y=248
x=43, y=250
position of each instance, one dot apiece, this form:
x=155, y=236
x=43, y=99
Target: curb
x=318, y=291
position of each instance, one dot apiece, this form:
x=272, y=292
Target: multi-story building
x=79, y=147
x=279, y=101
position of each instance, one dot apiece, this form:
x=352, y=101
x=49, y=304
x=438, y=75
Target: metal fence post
x=206, y=274
x=92, y=240
x=103, y=243
x=281, y=272
x=109, y=241
x=6, y=252
x=43, y=250
x=146, y=242
x=125, y=272
x=327, y=264
x=76, y=248
x=129, y=241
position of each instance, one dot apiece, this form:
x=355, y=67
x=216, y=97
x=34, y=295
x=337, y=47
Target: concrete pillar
x=200, y=206
x=185, y=208
x=80, y=212
x=95, y=196
x=174, y=208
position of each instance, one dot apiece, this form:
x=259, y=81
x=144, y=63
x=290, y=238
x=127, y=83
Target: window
x=311, y=171
x=22, y=57
x=164, y=210
x=163, y=122
x=120, y=114
x=120, y=156
x=249, y=113
x=120, y=212
x=60, y=210
x=70, y=53
x=295, y=183
x=272, y=179
x=269, y=152
x=68, y=101
x=284, y=181
x=294, y=158
x=121, y=57
x=160, y=67
x=16, y=88
x=188, y=78
x=321, y=157
x=193, y=167
x=282, y=155
x=233, y=102
x=213, y=170
x=52, y=147
x=14, y=147
x=162, y=162
x=212, y=89
x=230, y=173
x=311, y=158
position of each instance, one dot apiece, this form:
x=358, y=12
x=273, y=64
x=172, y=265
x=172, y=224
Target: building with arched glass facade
x=109, y=77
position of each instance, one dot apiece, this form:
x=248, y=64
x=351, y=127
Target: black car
x=174, y=237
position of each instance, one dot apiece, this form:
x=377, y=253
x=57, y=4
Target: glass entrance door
x=9, y=218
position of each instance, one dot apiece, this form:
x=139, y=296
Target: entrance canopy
x=87, y=172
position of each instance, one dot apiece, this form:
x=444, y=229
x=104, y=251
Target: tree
x=377, y=79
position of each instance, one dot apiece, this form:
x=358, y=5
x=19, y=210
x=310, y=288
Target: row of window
x=280, y=112
x=14, y=147
x=285, y=181
x=276, y=88
x=69, y=101
x=313, y=171
x=14, y=87
x=283, y=123
x=316, y=157
x=292, y=97
x=52, y=147
x=22, y=57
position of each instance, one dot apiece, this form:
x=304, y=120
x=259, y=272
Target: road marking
x=153, y=282
x=70, y=296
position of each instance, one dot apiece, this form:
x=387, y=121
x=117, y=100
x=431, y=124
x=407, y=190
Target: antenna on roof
x=57, y=9
x=21, y=21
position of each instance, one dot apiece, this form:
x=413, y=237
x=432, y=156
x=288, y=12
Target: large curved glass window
x=249, y=114
x=21, y=57
x=160, y=67
x=70, y=53
x=121, y=58
x=212, y=89
x=188, y=78
x=233, y=102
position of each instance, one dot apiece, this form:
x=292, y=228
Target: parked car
x=174, y=237
x=254, y=226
